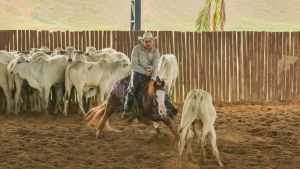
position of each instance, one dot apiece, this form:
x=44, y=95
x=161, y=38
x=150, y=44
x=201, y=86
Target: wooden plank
x=176, y=53
x=192, y=62
x=23, y=40
x=43, y=38
x=58, y=39
x=47, y=39
x=6, y=40
x=180, y=63
x=128, y=44
x=80, y=39
x=11, y=40
x=218, y=74
x=227, y=67
x=83, y=41
x=172, y=36
x=104, y=39
x=72, y=39
x=163, y=41
x=1, y=40
x=245, y=66
x=87, y=37
x=100, y=40
x=207, y=61
x=19, y=41
x=160, y=42
x=298, y=65
x=187, y=65
x=240, y=63
x=108, y=43
x=93, y=38
x=254, y=67
x=212, y=56
x=97, y=40
x=55, y=44
x=210, y=62
x=215, y=63
x=230, y=64
x=234, y=68
x=27, y=40
x=223, y=42
x=251, y=59
x=51, y=41
x=39, y=39
x=76, y=40
x=263, y=67
x=131, y=43
x=259, y=70
x=196, y=61
x=288, y=73
x=63, y=40
x=275, y=65
x=67, y=38
x=184, y=55
x=200, y=61
x=284, y=54
x=15, y=45
x=293, y=77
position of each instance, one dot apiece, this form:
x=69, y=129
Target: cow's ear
x=62, y=52
x=27, y=60
x=80, y=52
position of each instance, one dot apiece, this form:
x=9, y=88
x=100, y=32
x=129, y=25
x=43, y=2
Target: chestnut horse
x=150, y=97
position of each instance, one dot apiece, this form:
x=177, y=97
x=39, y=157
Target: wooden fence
x=230, y=65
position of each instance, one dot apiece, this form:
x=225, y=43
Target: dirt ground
x=249, y=135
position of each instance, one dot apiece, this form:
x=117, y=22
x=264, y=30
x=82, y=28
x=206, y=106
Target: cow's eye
x=19, y=62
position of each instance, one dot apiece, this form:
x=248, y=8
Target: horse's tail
x=95, y=116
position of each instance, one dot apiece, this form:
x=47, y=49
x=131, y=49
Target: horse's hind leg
x=108, y=112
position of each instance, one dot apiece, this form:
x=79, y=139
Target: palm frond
x=222, y=18
x=203, y=20
x=214, y=25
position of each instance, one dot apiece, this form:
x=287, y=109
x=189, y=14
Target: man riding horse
x=144, y=62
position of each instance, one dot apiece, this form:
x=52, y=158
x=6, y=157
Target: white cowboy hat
x=146, y=36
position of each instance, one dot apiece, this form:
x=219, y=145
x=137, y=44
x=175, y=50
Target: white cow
x=92, y=55
x=168, y=71
x=34, y=101
x=100, y=75
x=72, y=54
x=41, y=74
x=108, y=50
x=199, y=114
x=4, y=84
x=6, y=56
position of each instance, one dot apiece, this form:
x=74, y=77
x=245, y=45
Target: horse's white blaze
x=161, y=101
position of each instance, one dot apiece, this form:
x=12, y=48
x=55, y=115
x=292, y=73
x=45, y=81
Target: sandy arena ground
x=249, y=135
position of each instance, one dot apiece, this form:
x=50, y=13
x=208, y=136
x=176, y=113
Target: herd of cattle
x=27, y=77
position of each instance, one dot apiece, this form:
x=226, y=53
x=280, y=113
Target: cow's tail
x=67, y=82
x=95, y=117
x=191, y=107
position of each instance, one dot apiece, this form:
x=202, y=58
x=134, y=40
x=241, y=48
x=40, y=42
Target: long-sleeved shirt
x=142, y=61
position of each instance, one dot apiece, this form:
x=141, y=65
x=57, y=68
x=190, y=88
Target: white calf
x=199, y=113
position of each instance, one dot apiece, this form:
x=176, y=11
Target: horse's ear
x=163, y=83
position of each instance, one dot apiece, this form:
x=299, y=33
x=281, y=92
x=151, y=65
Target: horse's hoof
x=160, y=136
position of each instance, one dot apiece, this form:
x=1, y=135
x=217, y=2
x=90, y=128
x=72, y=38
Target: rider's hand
x=151, y=82
x=148, y=72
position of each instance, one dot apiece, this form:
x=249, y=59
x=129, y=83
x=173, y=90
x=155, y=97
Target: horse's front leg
x=168, y=121
x=156, y=127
